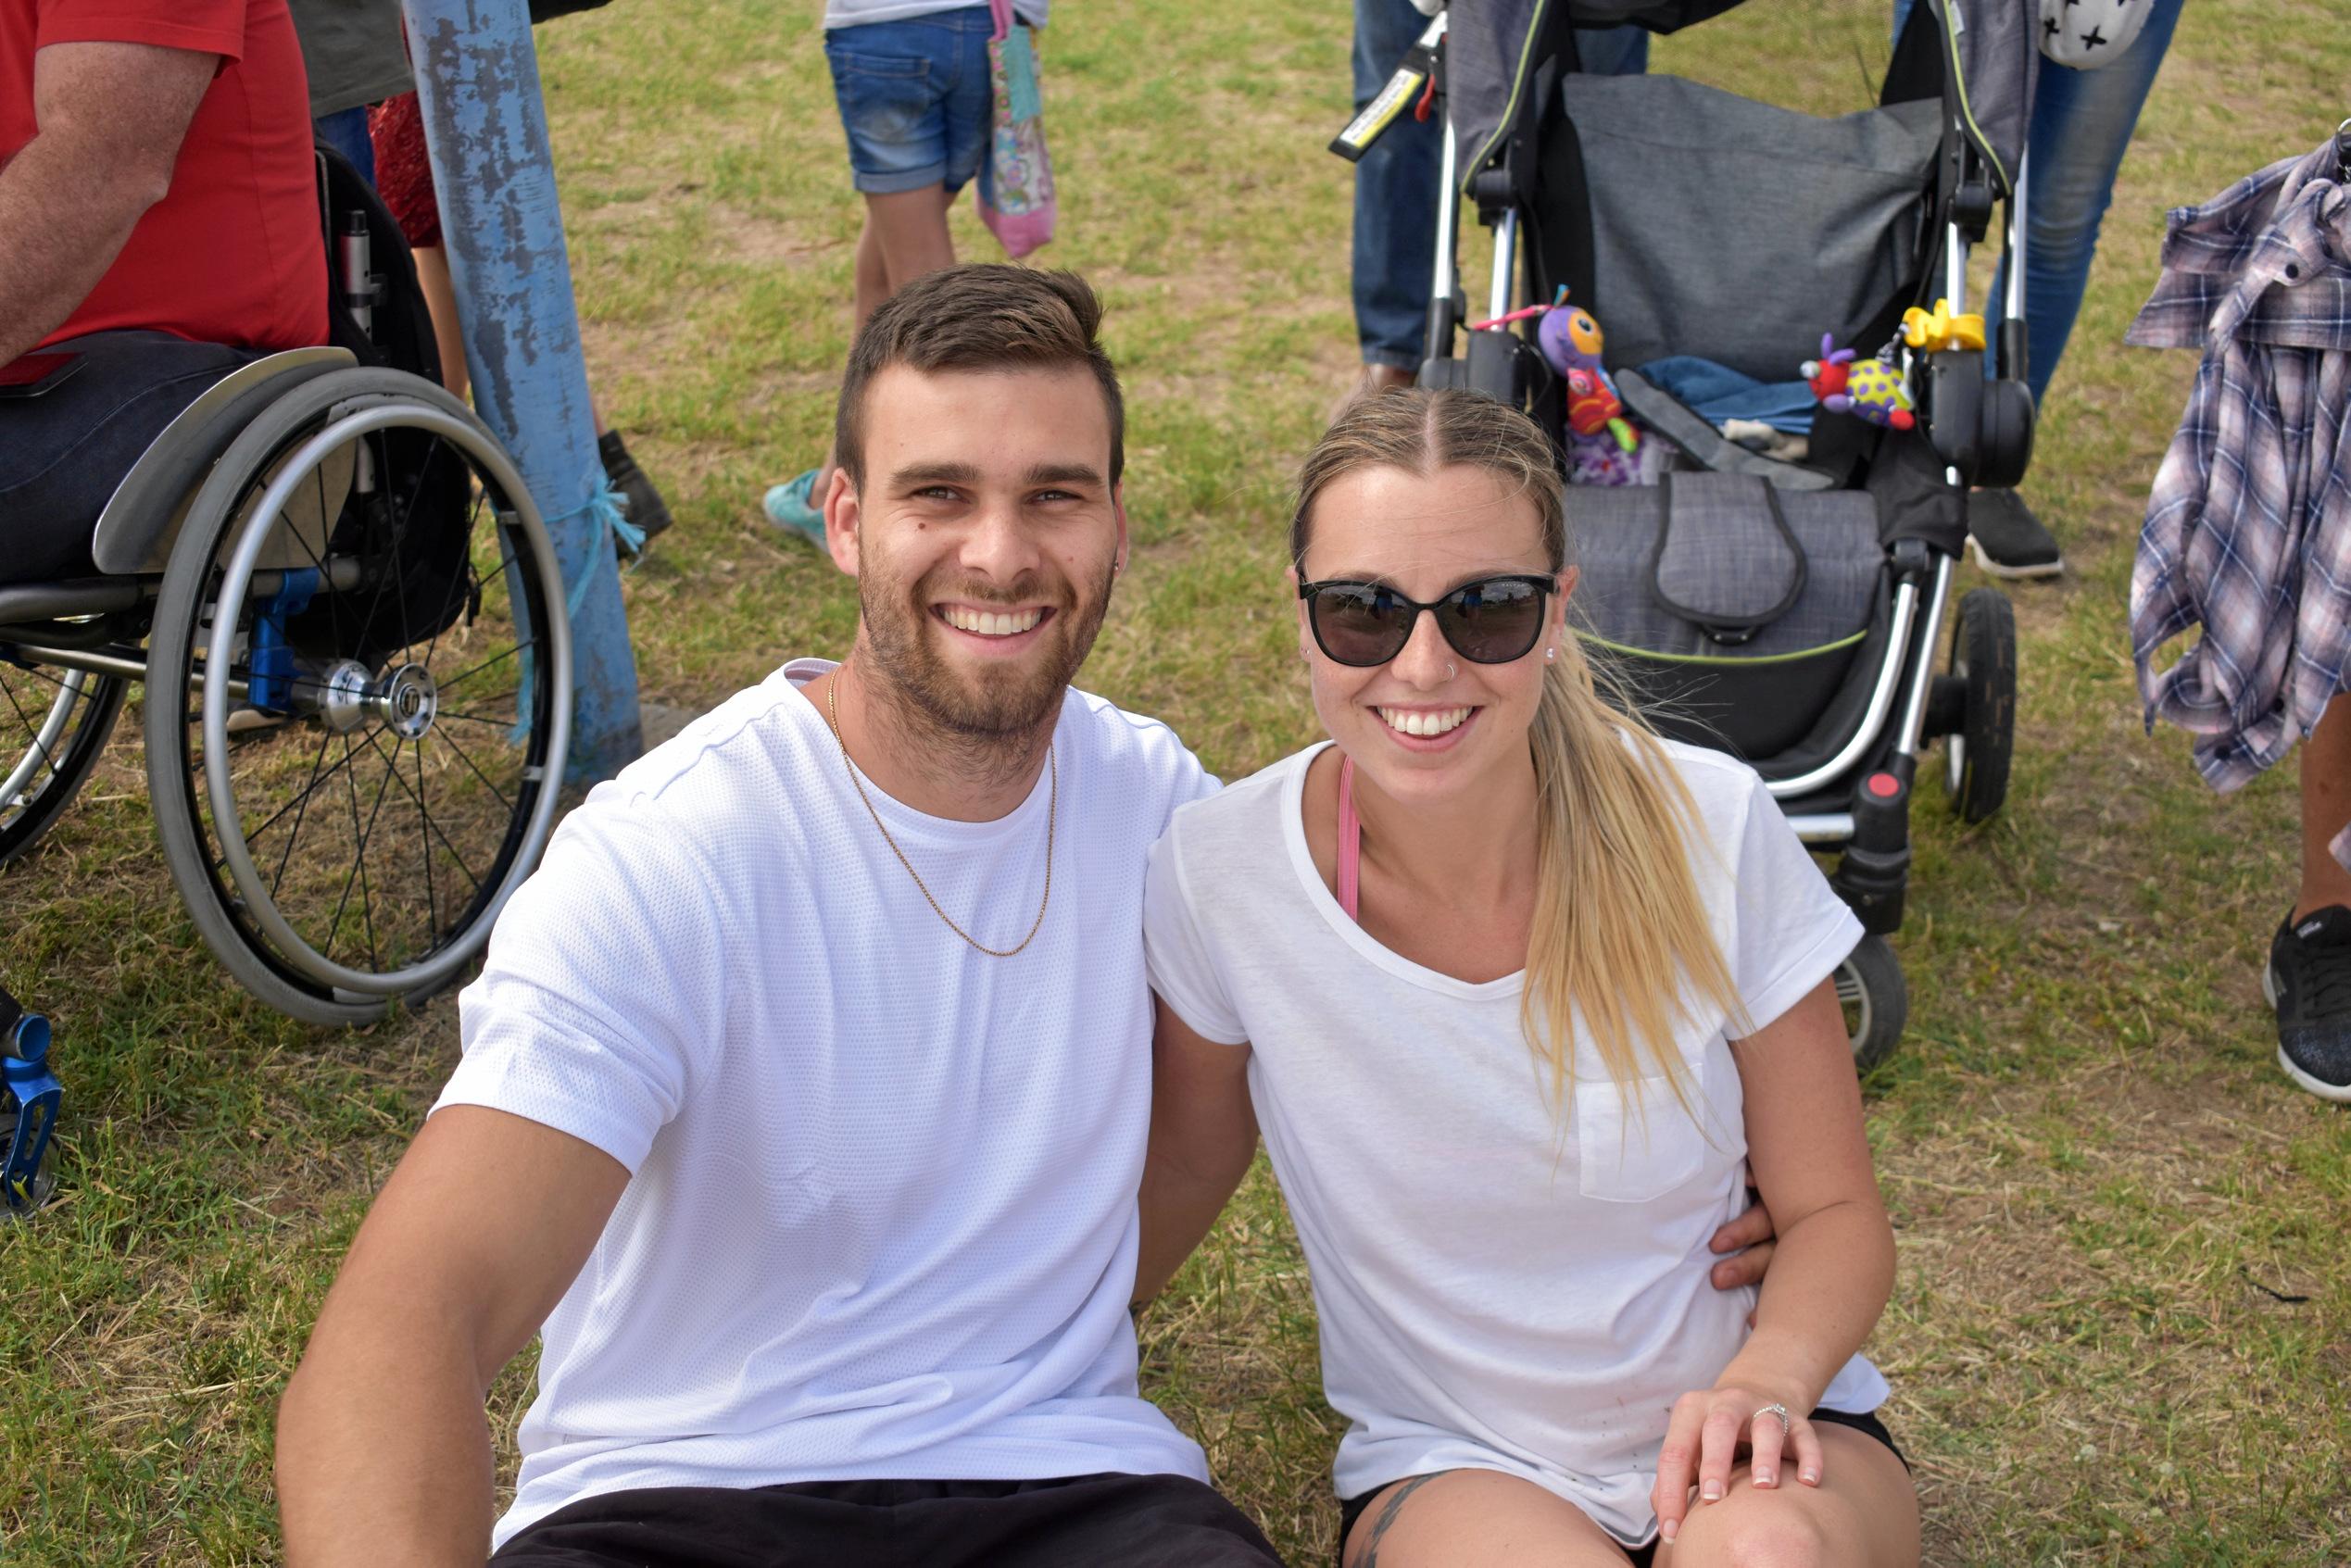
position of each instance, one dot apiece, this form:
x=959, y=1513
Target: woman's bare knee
x=1863, y=1516
x=1756, y=1538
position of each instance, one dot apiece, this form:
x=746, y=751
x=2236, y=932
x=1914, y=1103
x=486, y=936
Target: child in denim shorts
x=911, y=81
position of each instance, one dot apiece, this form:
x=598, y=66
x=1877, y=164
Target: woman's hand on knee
x=1710, y=1430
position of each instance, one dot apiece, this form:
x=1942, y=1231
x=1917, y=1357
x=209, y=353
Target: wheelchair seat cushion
x=63, y=452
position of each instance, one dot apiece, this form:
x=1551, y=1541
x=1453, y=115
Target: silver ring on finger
x=1774, y=1409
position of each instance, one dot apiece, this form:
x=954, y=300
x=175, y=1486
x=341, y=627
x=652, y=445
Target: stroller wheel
x=1876, y=1001
x=1983, y=665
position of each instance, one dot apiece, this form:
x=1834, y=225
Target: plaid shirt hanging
x=2248, y=531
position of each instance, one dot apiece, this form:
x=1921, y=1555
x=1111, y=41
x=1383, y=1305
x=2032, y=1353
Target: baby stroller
x=1791, y=613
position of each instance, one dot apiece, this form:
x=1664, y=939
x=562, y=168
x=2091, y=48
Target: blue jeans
x=346, y=131
x=914, y=98
x=2081, y=125
x=62, y=453
x=1395, y=260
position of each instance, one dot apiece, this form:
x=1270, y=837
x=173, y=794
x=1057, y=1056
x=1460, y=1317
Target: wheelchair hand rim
x=442, y=962
x=45, y=739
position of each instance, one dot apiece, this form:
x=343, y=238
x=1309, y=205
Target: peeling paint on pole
x=477, y=78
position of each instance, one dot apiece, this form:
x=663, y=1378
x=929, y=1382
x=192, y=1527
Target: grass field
x=2121, y=1333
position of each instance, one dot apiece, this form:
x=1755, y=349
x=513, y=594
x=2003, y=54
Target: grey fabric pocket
x=1725, y=561
x=1614, y=536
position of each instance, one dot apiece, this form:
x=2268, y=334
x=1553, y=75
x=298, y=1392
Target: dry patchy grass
x=2120, y=1333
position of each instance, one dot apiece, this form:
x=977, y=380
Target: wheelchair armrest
x=134, y=534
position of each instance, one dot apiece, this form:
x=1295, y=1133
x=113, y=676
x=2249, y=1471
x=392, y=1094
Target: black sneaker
x=2009, y=541
x=2308, y=981
x=647, y=509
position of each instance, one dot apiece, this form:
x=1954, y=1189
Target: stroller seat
x=1646, y=175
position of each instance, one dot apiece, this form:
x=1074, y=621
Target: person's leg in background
x=403, y=176
x=1395, y=235
x=346, y=131
x=440, y=298
x=1612, y=51
x=915, y=101
x=2081, y=126
x=2326, y=809
x=2310, y=975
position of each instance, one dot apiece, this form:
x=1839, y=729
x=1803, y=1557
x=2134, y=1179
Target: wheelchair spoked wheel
x=359, y=695
x=53, y=725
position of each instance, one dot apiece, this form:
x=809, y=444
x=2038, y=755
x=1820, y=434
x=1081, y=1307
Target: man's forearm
x=1178, y=1206
x=59, y=231
x=384, y=1455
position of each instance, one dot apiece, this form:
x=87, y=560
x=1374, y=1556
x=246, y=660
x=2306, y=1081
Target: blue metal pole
x=477, y=80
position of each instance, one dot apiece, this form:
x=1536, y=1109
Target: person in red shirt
x=158, y=227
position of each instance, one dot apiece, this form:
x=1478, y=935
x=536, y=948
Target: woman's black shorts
x=1351, y=1509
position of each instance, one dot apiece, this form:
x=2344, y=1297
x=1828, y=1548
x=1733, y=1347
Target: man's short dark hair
x=983, y=316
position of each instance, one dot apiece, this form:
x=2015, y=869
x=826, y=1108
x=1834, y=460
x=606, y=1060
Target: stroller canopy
x=1495, y=47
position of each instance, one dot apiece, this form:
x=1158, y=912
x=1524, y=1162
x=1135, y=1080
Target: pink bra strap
x=1351, y=839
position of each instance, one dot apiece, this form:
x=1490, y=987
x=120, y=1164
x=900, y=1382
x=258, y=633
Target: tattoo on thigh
x=1370, y=1558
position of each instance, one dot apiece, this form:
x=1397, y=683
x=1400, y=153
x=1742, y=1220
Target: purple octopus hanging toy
x=1602, y=445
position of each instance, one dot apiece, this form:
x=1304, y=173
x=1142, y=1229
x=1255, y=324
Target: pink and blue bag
x=1017, y=178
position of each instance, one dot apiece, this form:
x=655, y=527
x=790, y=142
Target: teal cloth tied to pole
x=486, y=131
x=609, y=511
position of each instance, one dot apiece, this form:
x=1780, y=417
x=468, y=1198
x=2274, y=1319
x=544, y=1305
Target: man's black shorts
x=1083, y=1522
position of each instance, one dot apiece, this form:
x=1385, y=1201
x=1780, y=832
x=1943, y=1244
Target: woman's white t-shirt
x=1496, y=1291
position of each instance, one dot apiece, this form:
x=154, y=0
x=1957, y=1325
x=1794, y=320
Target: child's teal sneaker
x=789, y=508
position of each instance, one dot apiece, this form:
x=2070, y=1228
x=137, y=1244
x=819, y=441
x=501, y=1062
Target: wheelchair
x=351, y=631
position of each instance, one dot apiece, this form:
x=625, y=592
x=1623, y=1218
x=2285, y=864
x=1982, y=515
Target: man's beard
x=1015, y=702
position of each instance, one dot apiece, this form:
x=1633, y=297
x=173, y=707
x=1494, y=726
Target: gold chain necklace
x=1052, y=808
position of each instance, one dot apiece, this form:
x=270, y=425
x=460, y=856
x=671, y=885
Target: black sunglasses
x=1493, y=620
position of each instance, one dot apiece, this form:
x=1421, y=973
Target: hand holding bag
x=1017, y=178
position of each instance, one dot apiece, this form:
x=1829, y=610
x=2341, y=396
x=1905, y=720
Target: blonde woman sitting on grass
x=1520, y=994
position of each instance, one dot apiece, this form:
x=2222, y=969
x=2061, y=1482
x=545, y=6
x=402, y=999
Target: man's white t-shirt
x=881, y=1220
x=1496, y=1290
